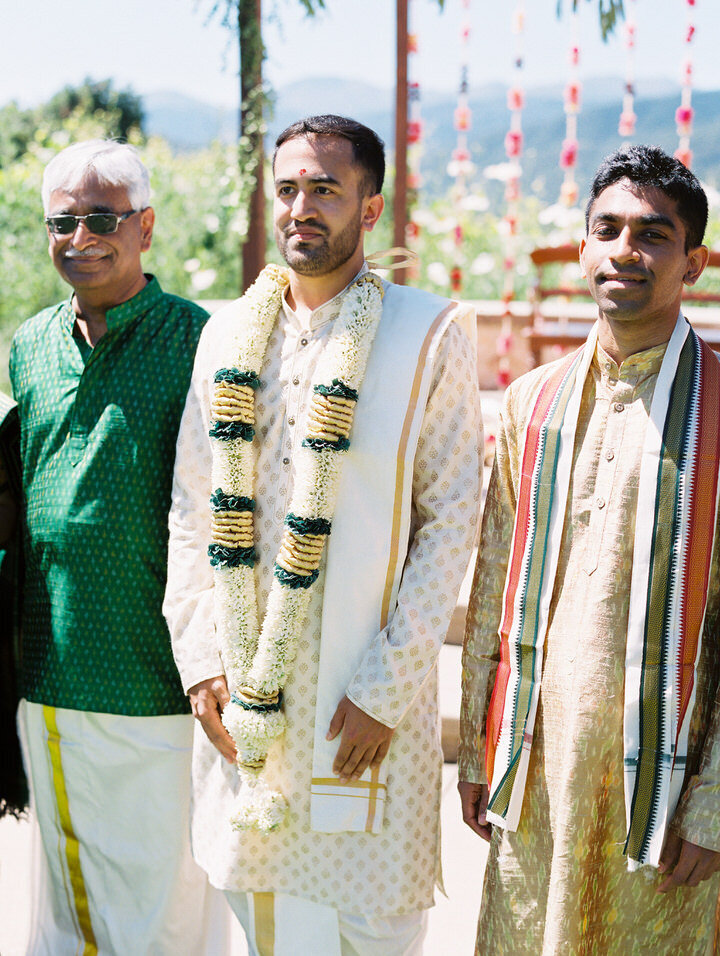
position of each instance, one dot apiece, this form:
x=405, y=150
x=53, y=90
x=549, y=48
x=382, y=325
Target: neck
x=622, y=339
x=91, y=307
x=307, y=293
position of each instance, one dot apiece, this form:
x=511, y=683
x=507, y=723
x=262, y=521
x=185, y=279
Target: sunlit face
x=108, y=265
x=634, y=254
x=320, y=209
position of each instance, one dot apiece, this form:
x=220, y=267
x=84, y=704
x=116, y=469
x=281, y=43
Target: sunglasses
x=99, y=223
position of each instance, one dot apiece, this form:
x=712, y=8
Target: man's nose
x=624, y=247
x=82, y=237
x=303, y=206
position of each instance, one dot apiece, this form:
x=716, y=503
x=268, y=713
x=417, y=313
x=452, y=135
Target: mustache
x=82, y=254
x=295, y=227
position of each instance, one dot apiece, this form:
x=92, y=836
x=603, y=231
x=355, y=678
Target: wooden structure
x=563, y=312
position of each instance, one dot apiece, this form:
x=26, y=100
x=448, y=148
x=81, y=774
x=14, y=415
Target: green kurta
x=560, y=886
x=98, y=431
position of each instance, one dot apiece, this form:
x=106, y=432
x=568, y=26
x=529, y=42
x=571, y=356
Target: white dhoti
x=115, y=875
x=277, y=924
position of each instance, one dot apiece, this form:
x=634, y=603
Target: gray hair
x=114, y=164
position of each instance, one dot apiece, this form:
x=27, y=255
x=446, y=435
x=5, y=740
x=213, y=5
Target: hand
x=474, y=801
x=208, y=700
x=364, y=742
x=686, y=864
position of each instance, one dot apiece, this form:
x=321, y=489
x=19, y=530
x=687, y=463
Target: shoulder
x=38, y=325
x=193, y=313
x=521, y=394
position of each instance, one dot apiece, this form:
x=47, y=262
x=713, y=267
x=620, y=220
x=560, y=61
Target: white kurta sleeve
x=447, y=479
x=188, y=605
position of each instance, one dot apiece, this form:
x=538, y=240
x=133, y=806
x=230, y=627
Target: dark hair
x=651, y=166
x=368, y=148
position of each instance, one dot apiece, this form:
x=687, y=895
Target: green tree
x=121, y=109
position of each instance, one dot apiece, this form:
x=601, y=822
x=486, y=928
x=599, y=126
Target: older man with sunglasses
x=100, y=381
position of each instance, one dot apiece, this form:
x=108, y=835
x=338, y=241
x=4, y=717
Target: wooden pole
x=251, y=57
x=401, y=117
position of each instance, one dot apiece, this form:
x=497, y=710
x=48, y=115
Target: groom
x=364, y=402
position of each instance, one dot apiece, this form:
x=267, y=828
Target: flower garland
x=257, y=659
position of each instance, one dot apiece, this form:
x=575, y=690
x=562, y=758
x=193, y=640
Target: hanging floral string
x=573, y=90
x=684, y=113
x=461, y=167
x=513, y=151
x=414, y=140
x=626, y=127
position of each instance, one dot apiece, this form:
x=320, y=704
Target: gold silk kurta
x=560, y=884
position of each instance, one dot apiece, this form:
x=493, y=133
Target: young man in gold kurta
x=558, y=881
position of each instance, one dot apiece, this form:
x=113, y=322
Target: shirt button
x=286, y=461
x=600, y=502
x=618, y=406
x=291, y=421
x=609, y=454
x=303, y=341
x=296, y=381
x=613, y=382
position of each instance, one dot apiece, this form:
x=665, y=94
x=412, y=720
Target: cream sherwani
x=560, y=884
x=394, y=870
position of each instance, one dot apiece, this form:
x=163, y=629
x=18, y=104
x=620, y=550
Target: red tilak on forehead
x=303, y=171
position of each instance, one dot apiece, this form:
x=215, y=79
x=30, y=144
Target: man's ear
x=147, y=221
x=697, y=260
x=373, y=208
x=581, y=257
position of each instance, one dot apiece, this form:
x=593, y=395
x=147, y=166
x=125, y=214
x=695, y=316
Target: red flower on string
x=504, y=343
x=690, y=33
x=627, y=123
x=513, y=142
x=458, y=234
x=683, y=118
x=512, y=190
x=414, y=131
x=412, y=42
x=456, y=278
x=503, y=377
x=574, y=55
x=461, y=155
x=515, y=98
x=569, y=193
x=412, y=230
x=463, y=118
x=414, y=180
x=572, y=96
x=569, y=153
x=685, y=156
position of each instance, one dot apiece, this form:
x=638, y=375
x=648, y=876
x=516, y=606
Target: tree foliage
x=609, y=13
x=117, y=114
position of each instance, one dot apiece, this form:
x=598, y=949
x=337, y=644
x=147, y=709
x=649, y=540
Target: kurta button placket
x=619, y=407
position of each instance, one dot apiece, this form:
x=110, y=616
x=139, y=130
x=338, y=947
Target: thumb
x=336, y=724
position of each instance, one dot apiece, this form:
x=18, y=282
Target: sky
x=172, y=45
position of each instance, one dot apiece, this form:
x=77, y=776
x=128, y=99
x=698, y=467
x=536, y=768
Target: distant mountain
x=189, y=124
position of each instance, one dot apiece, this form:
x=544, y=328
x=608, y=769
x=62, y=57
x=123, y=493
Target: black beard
x=318, y=259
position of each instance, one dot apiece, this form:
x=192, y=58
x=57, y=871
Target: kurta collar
x=145, y=299
x=327, y=312
x=637, y=367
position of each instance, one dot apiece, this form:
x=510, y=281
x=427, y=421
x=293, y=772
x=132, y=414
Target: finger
x=218, y=735
x=670, y=853
x=222, y=694
x=381, y=753
x=336, y=725
x=680, y=874
x=352, y=762
x=470, y=817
